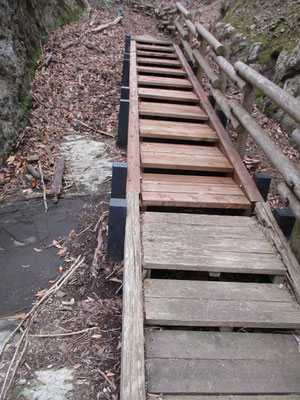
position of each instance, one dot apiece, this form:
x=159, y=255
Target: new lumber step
x=167, y=94
x=219, y=304
x=176, y=130
x=172, y=111
x=240, y=364
x=159, y=61
x=183, y=157
x=209, y=243
x=161, y=71
x=164, y=82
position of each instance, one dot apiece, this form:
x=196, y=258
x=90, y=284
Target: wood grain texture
x=154, y=54
x=241, y=174
x=133, y=143
x=177, y=130
x=168, y=94
x=265, y=216
x=158, y=61
x=172, y=110
x=163, y=82
x=230, y=397
x=216, y=345
x=151, y=40
x=222, y=376
x=182, y=303
x=155, y=47
x=132, y=358
x=161, y=71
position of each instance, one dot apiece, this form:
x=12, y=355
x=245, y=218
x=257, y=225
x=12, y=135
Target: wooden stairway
x=182, y=160
x=219, y=321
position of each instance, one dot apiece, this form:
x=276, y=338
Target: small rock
x=22, y=382
x=60, y=294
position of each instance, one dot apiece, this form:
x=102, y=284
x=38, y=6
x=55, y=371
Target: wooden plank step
x=168, y=94
x=183, y=157
x=189, y=362
x=207, y=243
x=158, y=61
x=141, y=53
x=172, y=111
x=161, y=71
x=164, y=82
x=219, y=304
x=151, y=40
x=155, y=47
x=176, y=130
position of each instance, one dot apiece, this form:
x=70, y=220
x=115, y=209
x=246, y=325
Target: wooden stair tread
x=189, y=362
x=158, y=61
x=167, y=94
x=153, y=54
x=183, y=157
x=176, y=130
x=219, y=304
x=152, y=40
x=207, y=242
x=172, y=111
x=163, y=81
x=155, y=47
x=161, y=71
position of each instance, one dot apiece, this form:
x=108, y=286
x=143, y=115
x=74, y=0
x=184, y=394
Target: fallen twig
x=105, y=26
x=36, y=174
x=94, y=265
x=70, y=44
x=93, y=129
x=46, y=62
x=114, y=387
x=47, y=335
x=44, y=188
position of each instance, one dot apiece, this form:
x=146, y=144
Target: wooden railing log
x=205, y=34
x=183, y=33
x=284, y=166
x=183, y=10
x=188, y=50
x=213, y=78
x=279, y=96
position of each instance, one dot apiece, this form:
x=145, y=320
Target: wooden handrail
x=279, y=96
x=183, y=10
x=216, y=45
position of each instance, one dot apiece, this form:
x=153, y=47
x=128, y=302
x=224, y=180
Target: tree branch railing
x=207, y=49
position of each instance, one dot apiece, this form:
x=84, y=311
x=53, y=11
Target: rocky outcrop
x=264, y=34
x=24, y=26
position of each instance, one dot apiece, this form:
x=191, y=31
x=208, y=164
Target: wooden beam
x=213, y=78
x=265, y=216
x=285, y=167
x=133, y=143
x=183, y=34
x=132, y=359
x=183, y=10
x=279, y=96
x=206, y=35
x=241, y=173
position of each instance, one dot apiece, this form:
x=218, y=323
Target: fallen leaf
x=90, y=299
x=11, y=159
x=96, y=336
x=68, y=303
x=110, y=375
x=21, y=315
x=25, y=266
x=98, y=346
x=56, y=244
x=60, y=269
x=77, y=366
x=37, y=250
x=62, y=251
x=41, y=293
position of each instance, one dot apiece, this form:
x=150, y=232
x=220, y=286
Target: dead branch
x=44, y=188
x=105, y=26
x=57, y=178
x=53, y=335
x=70, y=44
x=54, y=288
x=46, y=62
x=114, y=387
x=94, y=265
x=36, y=174
x=93, y=129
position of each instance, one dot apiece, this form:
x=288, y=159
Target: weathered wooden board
x=224, y=345
x=151, y=40
x=158, y=61
x=161, y=71
x=164, y=82
x=155, y=47
x=222, y=376
x=172, y=110
x=217, y=290
x=183, y=157
x=132, y=384
x=154, y=54
x=228, y=397
x=173, y=311
x=168, y=94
